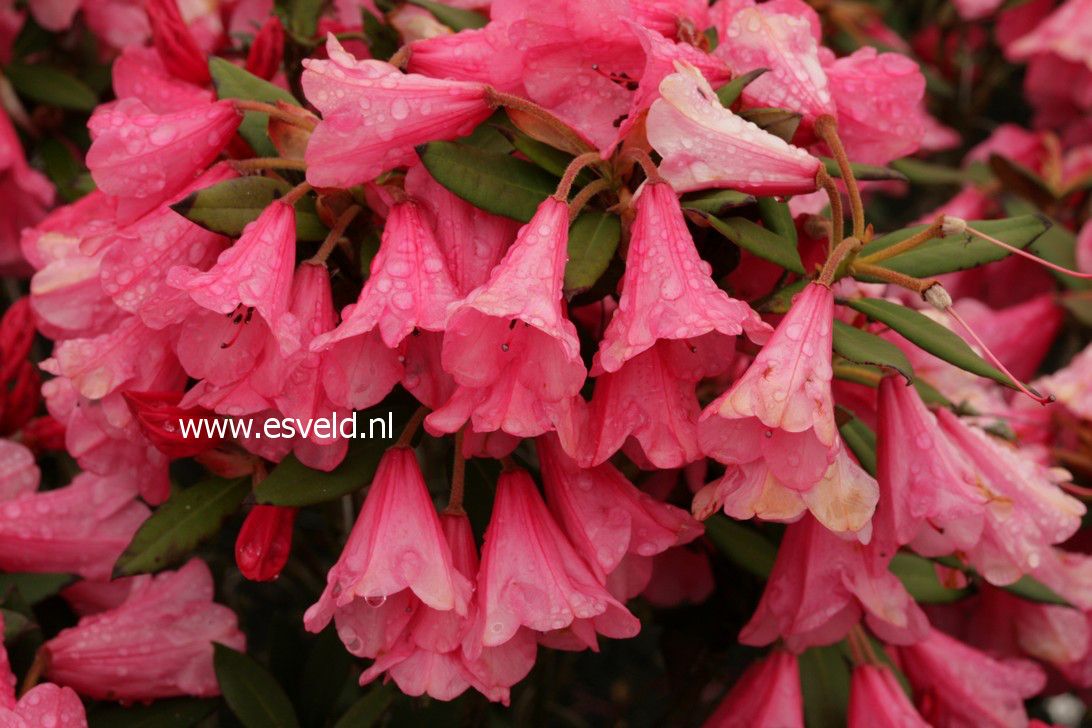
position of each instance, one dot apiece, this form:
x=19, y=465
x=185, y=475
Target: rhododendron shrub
x=680, y=363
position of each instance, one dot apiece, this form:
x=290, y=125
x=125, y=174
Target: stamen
x=957, y=226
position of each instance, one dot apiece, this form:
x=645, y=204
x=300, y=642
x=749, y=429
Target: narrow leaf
x=777, y=217
x=593, y=240
x=1023, y=181
x=742, y=545
x=919, y=576
x=861, y=441
x=865, y=348
x=1034, y=590
x=51, y=86
x=455, y=18
x=35, y=587
x=232, y=82
x=1059, y=246
x=180, y=524
x=367, y=710
x=716, y=202
x=918, y=172
x=251, y=691
x=303, y=16
x=779, y=122
x=824, y=681
x=758, y=240
x=729, y=92
x=497, y=183
x=15, y=624
x=229, y=206
x=863, y=171
x=168, y=713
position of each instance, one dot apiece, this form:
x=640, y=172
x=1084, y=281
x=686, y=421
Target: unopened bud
x=937, y=297
x=952, y=226
x=265, y=54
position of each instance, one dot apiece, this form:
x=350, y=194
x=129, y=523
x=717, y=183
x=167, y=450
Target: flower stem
x=285, y=116
x=837, y=215
x=335, y=235
x=458, y=478
x=918, y=238
x=591, y=190
x=640, y=156
x=917, y=285
x=955, y=226
x=826, y=127
x=42, y=658
x=846, y=248
x=411, y=427
x=571, y=171
x=293, y=195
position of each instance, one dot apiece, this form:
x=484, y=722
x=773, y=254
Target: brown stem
x=837, y=215
x=640, y=156
x=918, y=238
x=293, y=195
x=42, y=658
x=458, y=478
x=917, y=285
x=285, y=116
x=258, y=164
x=847, y=247
x=335, y=234
x=855, y=645
x=591, y=190
x=827, y=129
x=508, y=463
x=571, y=171
x=410, y=429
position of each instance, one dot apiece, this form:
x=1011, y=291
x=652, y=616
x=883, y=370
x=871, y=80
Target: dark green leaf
x=861, y=441
x=865, y=348
x=780, y=301
x=1080, y=305
x=824, y=681
x=957, y=252
x=325, y=674
x=554, y=161
x=715, y=202
x=497, y=183
x=758, y=240
x=593, y=239
x=1022, y=181
x=1059, y=246
x=51, y=86
x=777, y=217
x=919, y=576
x=779, y=122
x=251, y=691
x=35, y=587
x=370, y=708
x=742, y=545
x=1033, y=590
x=232, y=82
x=930, y=395
x=180, y=524
x=862, y=171
x=926, y=333
x=382, y=39
x=455, y=18
x=303, y=16
x=729, y=92
x=15, y=624
x=229, y=206
x=169, y=713
x=927, y=173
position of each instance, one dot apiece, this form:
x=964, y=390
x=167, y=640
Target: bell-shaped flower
x=409, y=286
x=819, y=588
x=1020, y=335
x=145, y=158
x=767, y=695
x=667, y=290
x=876, y=698
x=781, y=409
x=139, y=73
x=265, y=542
x=175, y=43
x=43, y=705
x=80, y=528
x=705, y=145
x=508, y=344
x=483, y=55
x=604, y=515
x=374, y=115
x=157, y=644
x=26, y=194
x=960, y=686
x=396, y=545
x=923, y=476
x=531, y=576
x=254, y=273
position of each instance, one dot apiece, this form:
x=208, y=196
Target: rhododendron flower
x=875, y=697
x=139, y=73
x=175, y=44
x=766, y=696
x=1072, y=384
x=705, y=145
x=531, y=576
x=26, y=196
x=157, y=644
x=396, y=545
x=374, y=115
x=19, y=474
x=265, y=542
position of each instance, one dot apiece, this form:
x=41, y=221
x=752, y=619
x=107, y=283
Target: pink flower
x=957, y=685
x=604, y=515
x=1020, y=335
x=531, y=576
x=139, y=72
x=766, y=696
x=469, y=55
x=45, y=705
x=264, y=58
x=19, y=475
x=667, y=290
x=508, y=344
x=26, y=196
x=265, y=542
x=157, y=644
x=1065, y=32
x=876, y=698
x=176, y=45
x=781, y=409
x=253, y=275
x=1072, y=384
x=705, y=145
x=374, y=115
x=819, y=588
x=80, y=528
x=396, y=545
x=667, y=16
x=146, y=158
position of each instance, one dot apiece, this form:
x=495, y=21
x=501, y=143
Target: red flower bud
x=176, y=45
x=266, y=51
x=16, y=336
x=160, y=420
x=23, y=399
x=43, y=433
x=265, y=542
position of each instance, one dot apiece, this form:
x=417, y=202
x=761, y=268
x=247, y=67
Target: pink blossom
x=19, y=474
x=44, y=704
x=1018, y=335
x=157, y=644
x=374, y=115
x=1072, y=384
x=26, y=196
x=1066, y=32
x=876, y=698
x=265, y=542
x=175, y=44
x=666, y=16
x=705, y=145
x=680, y=575
x=766, y=696
x=469, y=55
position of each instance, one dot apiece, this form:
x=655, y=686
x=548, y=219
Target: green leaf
x=758, y=240
x=1080, y=306
x=957, y=252
x=367, y=710
x=497, y=183
x=918, y=172
x=777, y=218
x=780, y=301
x=1023, y=181
x=593, y=239
x=742, y=545
x=1059, y=246
x=229, y=206
x=35, y=587
x=927, y=334
x=232, y=82
x=862, y=442
x=169, y=713
x=824, y=682
x=251, y=691
x=303, y=16
x=553, y=160
x=455, y=18
x=865, y=348
x=919, y=576
x=51, y=86
x=729, y=92
x=382, y=39
x=1036, y=591
x=15, y=624
x=325, y=675
x=862, y=171
x=716, y=202
x=180, y=524
x=779, y=122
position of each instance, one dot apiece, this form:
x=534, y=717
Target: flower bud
x=265, y=542
x=176, y=45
